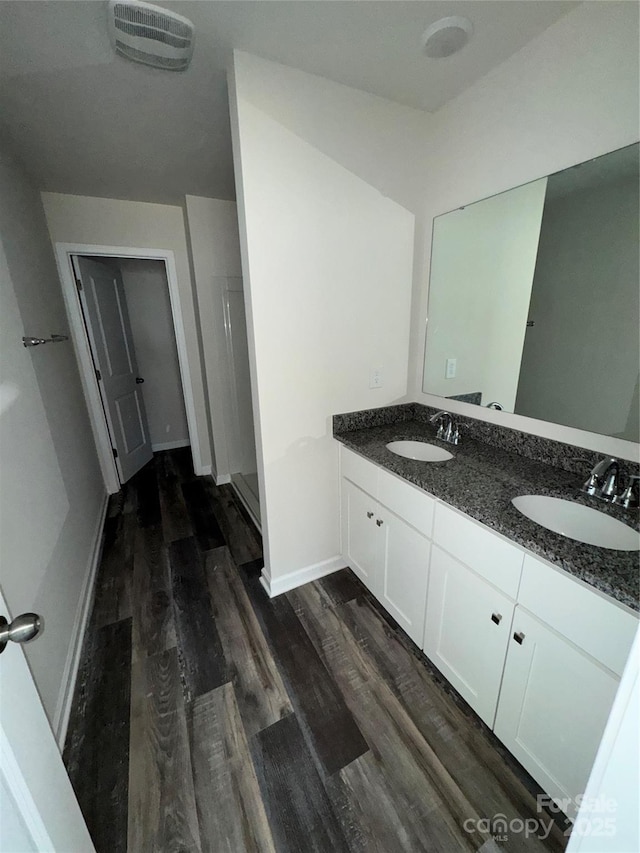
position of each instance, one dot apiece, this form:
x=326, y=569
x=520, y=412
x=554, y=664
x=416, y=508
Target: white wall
x=378, y=140
x=215, y=253
x=327, y=262
x=111, y=222
x=569, y=95
x=147, y=294
x=51, y=490
x=581, y=359
x=482, y=267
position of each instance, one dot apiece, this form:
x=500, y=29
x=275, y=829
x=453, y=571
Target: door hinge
x=78, y=284
x=98, y=375
x=115, y=453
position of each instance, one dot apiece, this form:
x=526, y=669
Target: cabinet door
x=405, y=573
x=467, y=631
x=360, y=536
x=554, y=704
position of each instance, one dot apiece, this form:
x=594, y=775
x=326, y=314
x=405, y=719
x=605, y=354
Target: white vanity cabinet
x=473, y=583
x=360, y=537
x=567, y=650
x=535, y=652
x=389, y=553
x=467, y=630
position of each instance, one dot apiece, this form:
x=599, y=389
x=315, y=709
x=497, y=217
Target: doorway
x=127, y=315
x=151, y=298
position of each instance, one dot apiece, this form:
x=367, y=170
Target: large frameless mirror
x=534, y=299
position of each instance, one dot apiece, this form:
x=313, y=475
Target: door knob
x=22, y=629
x=139, y=380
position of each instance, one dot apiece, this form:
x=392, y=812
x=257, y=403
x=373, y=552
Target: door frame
x=64, y=253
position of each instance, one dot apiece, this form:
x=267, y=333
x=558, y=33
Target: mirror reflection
x=534, y=299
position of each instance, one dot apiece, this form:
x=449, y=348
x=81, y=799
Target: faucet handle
x=592, y=485
x=630, y=498
x=609, y=489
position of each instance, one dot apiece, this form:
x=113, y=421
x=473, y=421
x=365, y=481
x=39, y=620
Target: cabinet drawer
x=360, y=471
x=483, y=550
x=407, y=501
x=598, y=626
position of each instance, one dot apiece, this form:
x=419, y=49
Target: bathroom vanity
x=531, y=628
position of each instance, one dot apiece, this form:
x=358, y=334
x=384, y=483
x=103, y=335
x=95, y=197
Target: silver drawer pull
x=496, y=617
x=379, y=522
x=518, y=637
x=369, y=515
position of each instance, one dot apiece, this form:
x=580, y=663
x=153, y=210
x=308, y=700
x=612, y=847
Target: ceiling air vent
x=150, y=35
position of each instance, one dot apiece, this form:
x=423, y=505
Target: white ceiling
x=88, y=122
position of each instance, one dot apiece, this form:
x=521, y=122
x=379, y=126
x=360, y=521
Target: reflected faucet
x=448, y=432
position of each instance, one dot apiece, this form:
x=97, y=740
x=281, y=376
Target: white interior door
x=107, y=319
x=38, y=808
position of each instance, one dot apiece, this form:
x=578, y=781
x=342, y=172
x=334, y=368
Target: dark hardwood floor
x=208, y=718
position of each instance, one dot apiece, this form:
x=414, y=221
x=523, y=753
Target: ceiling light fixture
x=446, y=36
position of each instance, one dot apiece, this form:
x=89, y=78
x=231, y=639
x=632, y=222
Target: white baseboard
x=222, y=479
x=170, y=445
x=276, y=586
x=202, y=470
x=83, y=610
x=266, y=582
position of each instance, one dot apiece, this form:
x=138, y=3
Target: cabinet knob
x=369, y=515
x=22, y=629
x=496, y=617
x=379, y=522
x=518, y=637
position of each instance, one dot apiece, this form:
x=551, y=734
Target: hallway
x=208, y=718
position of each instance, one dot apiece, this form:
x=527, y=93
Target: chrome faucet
x=603, y=483
x=603, y=480
x=448, y=431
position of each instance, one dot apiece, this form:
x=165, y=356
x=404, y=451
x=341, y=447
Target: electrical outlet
x=375, y=377
x=450, y=370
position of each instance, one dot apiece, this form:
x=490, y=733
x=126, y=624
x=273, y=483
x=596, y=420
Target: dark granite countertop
x=482, y=479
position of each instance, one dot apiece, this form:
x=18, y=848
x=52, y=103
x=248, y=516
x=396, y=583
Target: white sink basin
x=420, y=450
x=578, y=522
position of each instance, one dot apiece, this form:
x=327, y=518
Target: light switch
x=450, y=371
x=375, y=377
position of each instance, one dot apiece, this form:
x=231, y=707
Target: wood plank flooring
x=208, y=718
